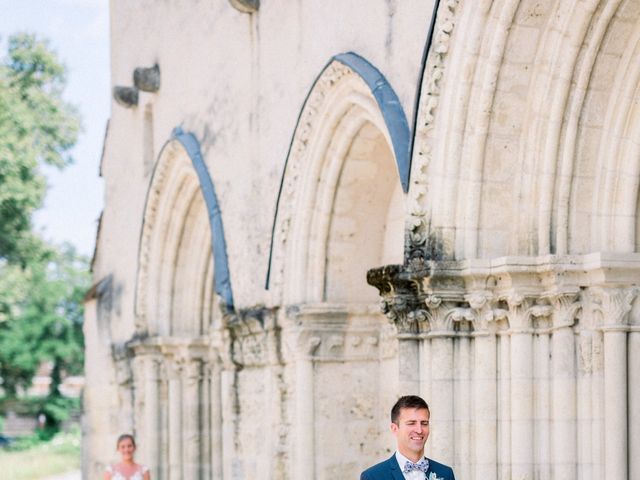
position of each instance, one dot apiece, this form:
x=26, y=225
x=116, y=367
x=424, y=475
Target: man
x=410, y=425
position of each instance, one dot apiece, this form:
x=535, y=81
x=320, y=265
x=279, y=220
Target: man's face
x=411, y=431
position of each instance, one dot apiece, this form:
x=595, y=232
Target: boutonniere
x=433, y=476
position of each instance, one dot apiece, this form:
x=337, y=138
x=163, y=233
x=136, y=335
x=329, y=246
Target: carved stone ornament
x=402, y=297
x=614, y=304
x=420, y=245
x=254, y=337
x=334, y=76
x=522, y=311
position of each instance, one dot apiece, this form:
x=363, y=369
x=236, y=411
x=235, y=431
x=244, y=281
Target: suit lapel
x=395, y=468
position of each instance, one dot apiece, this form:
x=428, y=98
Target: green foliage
x=56, y=409
x=41, y=287
x=32, y=459
x=37, y=127
x=41, y=318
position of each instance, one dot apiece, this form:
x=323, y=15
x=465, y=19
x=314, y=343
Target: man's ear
x=394, y=427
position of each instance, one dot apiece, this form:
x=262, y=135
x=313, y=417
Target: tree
x=41, y=318
x=41, y=286
x=37, y=127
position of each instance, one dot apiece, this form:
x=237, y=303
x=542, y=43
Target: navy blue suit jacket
x=390, y=470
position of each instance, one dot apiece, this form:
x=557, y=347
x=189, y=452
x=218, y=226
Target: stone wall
x=506, y=264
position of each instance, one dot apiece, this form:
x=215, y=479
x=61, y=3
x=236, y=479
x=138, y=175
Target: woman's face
x=126, y=448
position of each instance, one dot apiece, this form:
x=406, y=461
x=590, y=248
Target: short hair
x=125, y=436
x=407, y=401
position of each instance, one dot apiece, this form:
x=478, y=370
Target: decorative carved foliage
x=419, y=244
x=566, y=307
x=523, y=309
x=613, y=304
x=401, y=292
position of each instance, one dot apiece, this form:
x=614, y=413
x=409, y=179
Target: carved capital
x=442, y=315
x=401, y=292
x=566, y=307
x=483, y=313
x=522, y=311
x=614, y=304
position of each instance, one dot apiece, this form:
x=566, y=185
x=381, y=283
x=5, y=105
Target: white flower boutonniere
x=433, y=476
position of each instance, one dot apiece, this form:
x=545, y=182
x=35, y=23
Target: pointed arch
x=182, y=249
x=351, y=126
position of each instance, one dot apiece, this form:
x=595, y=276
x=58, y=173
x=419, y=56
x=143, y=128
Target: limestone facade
x=485, y=255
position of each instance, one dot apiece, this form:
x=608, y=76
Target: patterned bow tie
x=422, y=465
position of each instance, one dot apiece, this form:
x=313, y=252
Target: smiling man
x=410, y=425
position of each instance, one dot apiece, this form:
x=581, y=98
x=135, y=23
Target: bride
x=127, y=469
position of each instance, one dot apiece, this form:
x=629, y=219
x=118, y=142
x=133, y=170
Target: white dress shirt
x=414, y=474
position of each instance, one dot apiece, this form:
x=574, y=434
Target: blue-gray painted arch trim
x=390, y=107
x=392, y=113
x=221, y=274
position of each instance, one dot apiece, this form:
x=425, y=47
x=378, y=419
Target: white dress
x=116, y=475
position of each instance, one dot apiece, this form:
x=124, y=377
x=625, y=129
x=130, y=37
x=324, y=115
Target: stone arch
x=526, y=139
x=182, y=251
x=348, y=166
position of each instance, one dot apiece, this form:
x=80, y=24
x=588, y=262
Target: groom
x=410, y=425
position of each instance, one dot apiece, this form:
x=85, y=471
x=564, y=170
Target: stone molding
x=419, y=246
x=531, y=293
x=341, y=102
x=173, y=162
x=334, y=333
x=614, y=305
x=310, y=118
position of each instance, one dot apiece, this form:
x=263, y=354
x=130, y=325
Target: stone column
x=305, y=417
x=564, y=409
x=504, y=422
x=584, y=408
x=215, y=417
x=205, y=420
x=542, y=406
x=484, y=405
x=634, y=402
x=409, y=363
x=597, y=403
x=152, y=435
x=441, y=399
x=615, y=305
x=424, y=354
x=520, y=314
x=192, y=377
x=175, y=420
x=462, y=405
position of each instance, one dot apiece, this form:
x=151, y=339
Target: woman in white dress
x=127, y=469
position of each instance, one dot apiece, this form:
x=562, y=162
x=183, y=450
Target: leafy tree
x=41, y=318
x=41, y=287
x=37, y=127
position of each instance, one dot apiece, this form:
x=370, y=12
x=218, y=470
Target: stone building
x=267, y=164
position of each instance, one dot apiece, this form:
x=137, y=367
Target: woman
x=127, y=469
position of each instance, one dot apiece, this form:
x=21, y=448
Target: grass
x=59, y=455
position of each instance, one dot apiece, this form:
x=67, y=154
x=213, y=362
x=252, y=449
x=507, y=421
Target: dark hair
x=408, y=401
x=125, y=436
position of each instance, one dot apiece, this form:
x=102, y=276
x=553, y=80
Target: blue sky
x=78, y=30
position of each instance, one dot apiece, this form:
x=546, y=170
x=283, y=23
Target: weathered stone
x=507, y=275
x=126, y=96
x=147, y=79
x=246, y=6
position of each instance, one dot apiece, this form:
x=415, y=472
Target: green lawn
x=60, y=455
